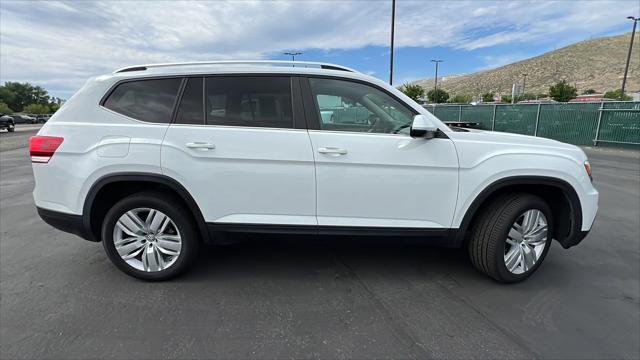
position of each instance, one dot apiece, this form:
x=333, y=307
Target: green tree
x=5, y=109
x=506, y=99
x=18, y=95
x=563, y=92
x=588, y=92
x=440, y=97
x=488, y=97
x=414, y=91
x=36, y=109
x=461, y=99
x=615, y=94
x=526, y=96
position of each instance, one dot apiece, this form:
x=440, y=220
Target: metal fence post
x=595, y=141
x=493, y=119
x=535, y=131
x=460, y=113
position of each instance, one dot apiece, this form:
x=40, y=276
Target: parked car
x=160, y=158
x=23, y=119
x=6, y=122
x=42, y=118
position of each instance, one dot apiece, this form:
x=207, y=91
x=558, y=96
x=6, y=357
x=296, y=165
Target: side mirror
x=423, y=127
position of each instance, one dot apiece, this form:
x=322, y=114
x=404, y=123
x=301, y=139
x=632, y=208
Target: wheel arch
x=116, y=186
x=561, y=197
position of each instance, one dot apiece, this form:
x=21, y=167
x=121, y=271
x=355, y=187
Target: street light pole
x=626, y=68
x=393, y=25
x=293, y=54
x=435, y=86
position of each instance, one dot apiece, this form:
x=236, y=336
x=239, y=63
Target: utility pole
x=293, y=54
x=435, y=86
x=524, y=82
x=626, y=68
x=393, y=25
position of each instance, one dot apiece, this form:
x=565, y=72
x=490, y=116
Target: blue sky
x=59, y=44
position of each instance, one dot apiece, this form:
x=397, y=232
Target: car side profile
x=6, y=122
x=23, y=119
x=154, y=160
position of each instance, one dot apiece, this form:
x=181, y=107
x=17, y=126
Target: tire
x=11, y=127
x=157, y=259
x=496, y=239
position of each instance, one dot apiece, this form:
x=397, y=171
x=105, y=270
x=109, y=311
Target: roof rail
x=320, y=65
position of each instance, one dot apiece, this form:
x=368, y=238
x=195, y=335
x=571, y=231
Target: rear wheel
x=511, y=237
x=150, y=236
x=11, y=127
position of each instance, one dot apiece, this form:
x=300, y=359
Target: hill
x=591, y=64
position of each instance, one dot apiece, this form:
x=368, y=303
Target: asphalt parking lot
x=276, y=298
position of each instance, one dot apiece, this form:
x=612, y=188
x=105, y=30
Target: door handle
x=332, y=151
x=200, y=145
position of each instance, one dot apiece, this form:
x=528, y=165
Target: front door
x=238, y=146
x=369, y=171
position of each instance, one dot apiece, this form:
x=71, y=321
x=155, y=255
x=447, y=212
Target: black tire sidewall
x=532, y=203
x=170, y=207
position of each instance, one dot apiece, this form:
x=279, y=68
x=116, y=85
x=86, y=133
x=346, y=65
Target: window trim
x=313, y=111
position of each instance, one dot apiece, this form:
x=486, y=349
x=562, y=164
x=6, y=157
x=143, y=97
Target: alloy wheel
x=147, y=239
x=526, y=241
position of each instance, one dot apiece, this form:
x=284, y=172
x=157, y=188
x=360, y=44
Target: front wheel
x=11, y=127
x=150, y=236
x=511, y=237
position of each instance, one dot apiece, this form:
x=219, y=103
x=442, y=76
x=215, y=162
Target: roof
x=238, y=67
x=235, y=64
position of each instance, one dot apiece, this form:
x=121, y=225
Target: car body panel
x=253, y=175
x=385, y=180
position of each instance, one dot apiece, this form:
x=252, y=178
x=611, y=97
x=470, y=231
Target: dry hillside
x=597, y=64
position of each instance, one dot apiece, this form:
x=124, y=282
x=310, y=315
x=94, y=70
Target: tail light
x=42, y=148
x=587, y=168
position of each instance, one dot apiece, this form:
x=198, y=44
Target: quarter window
x=350, y=106
x=257, y=101
x=145, y=100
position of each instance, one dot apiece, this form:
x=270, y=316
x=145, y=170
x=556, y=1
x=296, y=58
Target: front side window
x=256, y=101
x=350, y=106
x=145, y=100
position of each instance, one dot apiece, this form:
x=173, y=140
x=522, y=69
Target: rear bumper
x=62, y=221
x=575, y=239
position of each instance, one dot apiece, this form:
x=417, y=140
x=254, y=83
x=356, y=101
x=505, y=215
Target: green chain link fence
x=610, y=122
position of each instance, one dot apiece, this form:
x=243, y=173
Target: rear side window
x=145, y=100
x=191, y=109
x=256, y=101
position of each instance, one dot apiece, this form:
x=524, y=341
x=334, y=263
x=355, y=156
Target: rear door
x=369, y=171
x=239, y=145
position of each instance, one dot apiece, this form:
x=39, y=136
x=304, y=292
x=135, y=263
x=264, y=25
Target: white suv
x=153, y=160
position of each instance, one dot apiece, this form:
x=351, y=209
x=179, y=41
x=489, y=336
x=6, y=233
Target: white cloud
x=60, y=44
